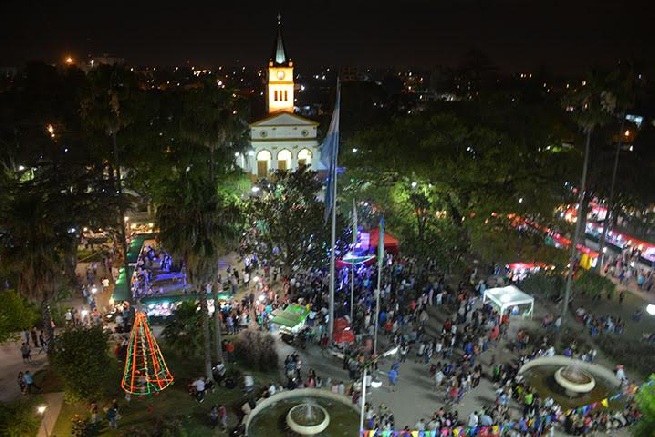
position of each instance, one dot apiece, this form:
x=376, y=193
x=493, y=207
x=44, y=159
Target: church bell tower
x=280, y=76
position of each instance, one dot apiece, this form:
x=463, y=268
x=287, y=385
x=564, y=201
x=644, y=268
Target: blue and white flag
x=329, y=154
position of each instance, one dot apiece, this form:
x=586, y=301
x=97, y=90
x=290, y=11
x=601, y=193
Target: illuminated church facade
x=282, y=140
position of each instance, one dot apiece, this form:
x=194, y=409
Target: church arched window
x=263, y=163
x=284, y=160
x=304, y=157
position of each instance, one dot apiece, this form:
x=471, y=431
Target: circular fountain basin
x=575, y=380
x=571, y=383
x=270, y=417
x=308, y=419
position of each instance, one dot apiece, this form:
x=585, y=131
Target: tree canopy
x=81, y=358
x=287, y=222
x=16, y=314
x=448, y=172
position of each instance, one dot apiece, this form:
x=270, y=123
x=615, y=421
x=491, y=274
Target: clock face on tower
x=280, y=75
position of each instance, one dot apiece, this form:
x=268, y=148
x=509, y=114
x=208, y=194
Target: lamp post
x=41, y=411
x=367, y=364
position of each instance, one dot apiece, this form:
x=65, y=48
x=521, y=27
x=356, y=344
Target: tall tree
x=623, y=85
x=466, y=164
x=195, y=225
x=289, y=222
x=213, y=117
x=38, y=237
x=592, y=105
x=108, y=107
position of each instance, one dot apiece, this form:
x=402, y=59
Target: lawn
x=172, y=407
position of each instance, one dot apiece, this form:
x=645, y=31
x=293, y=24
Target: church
x=282, y=140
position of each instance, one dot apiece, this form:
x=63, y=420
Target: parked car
x=95, y=236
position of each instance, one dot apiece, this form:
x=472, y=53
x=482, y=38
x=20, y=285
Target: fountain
x=571, y=383
x=308, y=419
x=574, y=380
x=303, y=412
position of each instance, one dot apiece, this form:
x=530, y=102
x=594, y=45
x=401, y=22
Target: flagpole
x=377, y=291
x=352, y=291
x=377, y=315
x=333, y=244
x=352, y=267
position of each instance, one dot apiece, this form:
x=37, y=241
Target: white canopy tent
x=508, y=297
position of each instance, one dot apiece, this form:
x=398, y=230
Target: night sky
x=515, y=34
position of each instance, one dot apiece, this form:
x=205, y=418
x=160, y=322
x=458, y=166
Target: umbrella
x=340, y=324
x=350, y=259
x=345, y=336
x=342, y=331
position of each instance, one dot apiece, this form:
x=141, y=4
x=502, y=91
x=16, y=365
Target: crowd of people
x=453, y=354
x=626, y=268
x=408, y=300
x=597, y=325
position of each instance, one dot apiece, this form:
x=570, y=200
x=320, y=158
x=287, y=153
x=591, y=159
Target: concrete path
x=53, y=403
x=11, y=363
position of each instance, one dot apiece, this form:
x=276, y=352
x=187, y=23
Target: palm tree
x=624, y=86
x=213, y=119
x=194, y=226
x=593, y=105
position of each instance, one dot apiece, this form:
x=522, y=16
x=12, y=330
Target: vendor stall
x=351, y=259
x=519, y=271
x=509, y=298
x=291, y=320
x=390, y=242
x=164, y=305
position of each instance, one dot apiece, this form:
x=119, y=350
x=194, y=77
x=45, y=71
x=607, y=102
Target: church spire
x=279, y=57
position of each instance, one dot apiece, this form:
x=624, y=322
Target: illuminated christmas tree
x=145, y=368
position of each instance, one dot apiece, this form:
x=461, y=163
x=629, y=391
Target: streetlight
x=41, y=411
x=650, y=309
x=390, y=352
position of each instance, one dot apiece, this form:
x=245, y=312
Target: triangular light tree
x=145, y=371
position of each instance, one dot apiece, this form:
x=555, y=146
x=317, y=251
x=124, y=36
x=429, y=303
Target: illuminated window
x=304, y=157
x=286, y=96
x=276, y=96
x=284, y=160
x=263, y=160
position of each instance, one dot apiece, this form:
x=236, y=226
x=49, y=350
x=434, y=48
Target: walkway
x=11, y=363
x=53, y=403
